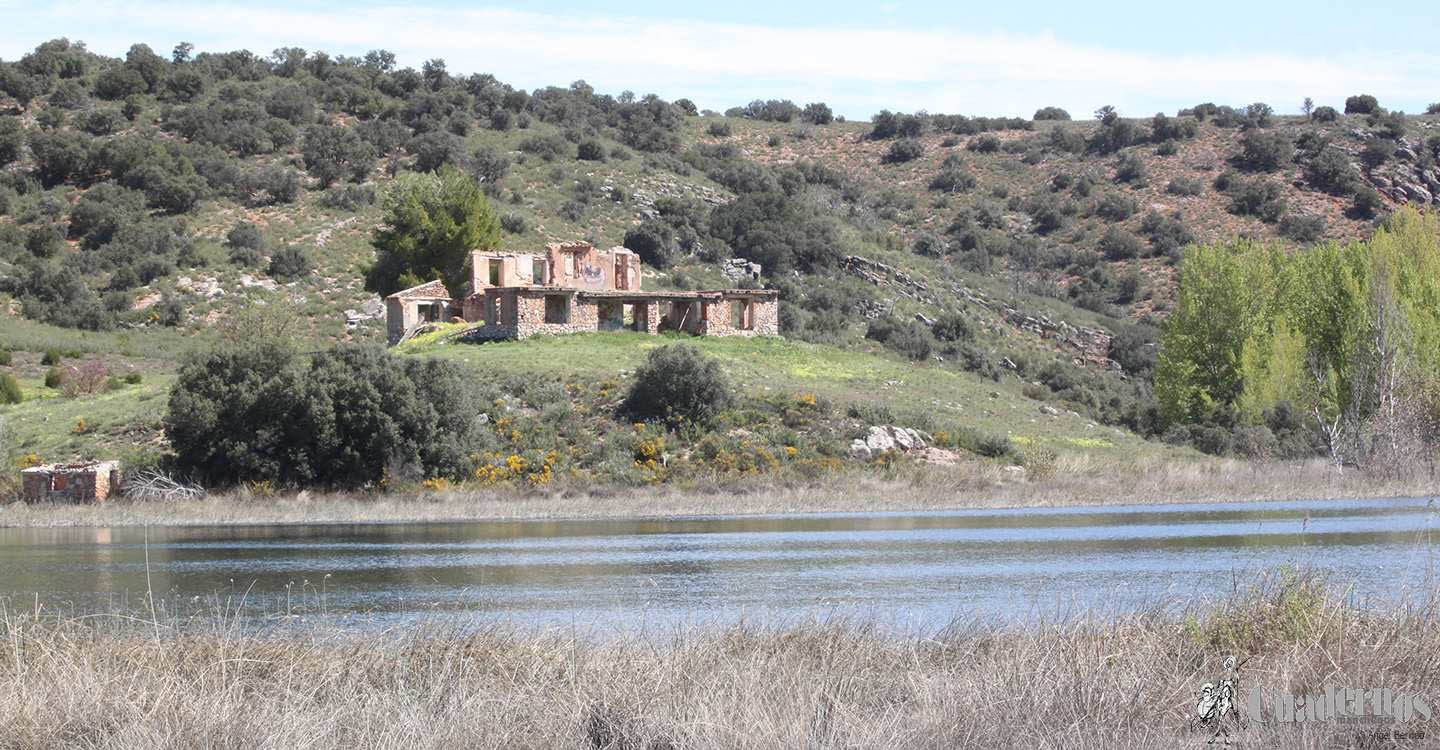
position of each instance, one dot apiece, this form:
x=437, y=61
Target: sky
x=993, y=58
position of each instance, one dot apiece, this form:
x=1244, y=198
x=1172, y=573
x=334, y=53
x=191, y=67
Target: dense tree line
x=1348, y=336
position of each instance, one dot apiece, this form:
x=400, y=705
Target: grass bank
x=1079, y=480
x=1127, y=683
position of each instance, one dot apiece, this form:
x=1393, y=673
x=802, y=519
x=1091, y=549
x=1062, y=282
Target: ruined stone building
x=574, y=287
x=86, y=482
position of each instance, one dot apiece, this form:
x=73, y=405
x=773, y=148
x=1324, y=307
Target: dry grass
x=1078, y=480
x=1130, y=683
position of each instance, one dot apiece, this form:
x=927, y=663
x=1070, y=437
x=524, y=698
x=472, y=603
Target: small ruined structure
x=428, y=303
x=85, y=482
x=574, y=287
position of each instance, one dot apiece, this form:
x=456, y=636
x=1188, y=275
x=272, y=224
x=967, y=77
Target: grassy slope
x=915, y=394
x=127, y=420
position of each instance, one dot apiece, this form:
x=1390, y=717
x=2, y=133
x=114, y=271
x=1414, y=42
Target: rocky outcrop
x=881, y=274
x=737, y=269
x=887, y=438
x=1089, y=345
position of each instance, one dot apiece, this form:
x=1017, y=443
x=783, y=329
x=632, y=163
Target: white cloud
x=857, y=71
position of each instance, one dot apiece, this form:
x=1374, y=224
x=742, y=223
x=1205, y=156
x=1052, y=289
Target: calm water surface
x=915, y=569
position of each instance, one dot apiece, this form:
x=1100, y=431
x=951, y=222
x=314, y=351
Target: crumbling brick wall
x=76, y=483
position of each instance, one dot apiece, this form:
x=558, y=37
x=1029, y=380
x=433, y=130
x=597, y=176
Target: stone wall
x=402, y=314
x=585, y=314
x=70, y=484
x=767, y=317
x=764, y=317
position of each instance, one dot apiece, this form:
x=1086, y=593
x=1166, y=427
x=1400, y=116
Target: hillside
x=147, y=199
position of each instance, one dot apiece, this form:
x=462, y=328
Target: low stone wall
x=70, y=484
x=528, y=318
x=764, y=318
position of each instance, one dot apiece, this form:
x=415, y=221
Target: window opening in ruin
x=557, y=308
x=740, y=313
x=537, y=271
x=495, y=272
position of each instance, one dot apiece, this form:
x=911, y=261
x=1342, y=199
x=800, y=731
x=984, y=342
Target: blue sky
x=994, y=58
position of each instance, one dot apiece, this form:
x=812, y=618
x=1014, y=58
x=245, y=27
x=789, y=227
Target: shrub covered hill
x=147, y=199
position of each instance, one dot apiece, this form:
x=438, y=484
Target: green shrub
x=590, y=150
x=1167, y=234
x=134, y=378
x=981, y=443
x=5, y=358
x=1116, y=207
x=10, y=389
x=1130, y=168
x=256, y=410
x=1262, y=151
x=1305, y=228
x=953, y=326
x=653, y=241
x=1051, y=113
x=678, y=385
x=719, y=129
x=1259, y=197
x=1376, y=153
x=289, y=263
x=51, y=357
x=985, y=144
x=513, y=223
x=1258, y=115
x=1118, y=244
x=245, y=234
x=348, y=197
x=818, y=113
x=53, y=377
x=546, y=147
x=903, y=150
x=1325, y=114
x=910, y=338
x=1361, y=104
x=1330, y=170
x=953, y=180
x=1368, y=203
x=1186, y=186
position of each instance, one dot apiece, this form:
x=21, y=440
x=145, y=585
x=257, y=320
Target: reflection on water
x=923, y=569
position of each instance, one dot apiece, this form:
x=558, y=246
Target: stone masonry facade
x=571, y=288
x=90, y=482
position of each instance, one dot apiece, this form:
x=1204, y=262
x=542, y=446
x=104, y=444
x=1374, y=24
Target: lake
x=919, y=570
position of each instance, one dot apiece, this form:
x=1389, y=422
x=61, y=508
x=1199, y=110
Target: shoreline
x=919, y=489
x=1132, y=681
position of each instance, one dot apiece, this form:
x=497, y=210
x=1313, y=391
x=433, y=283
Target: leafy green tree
x=653, y=241
x=333, y=152
x=119, y=82
x=1361, y=104
x=1225, y=293
x=150, y=66
x=431, y=223
x=12, y=139
x=818, y=113
x=59, y=156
